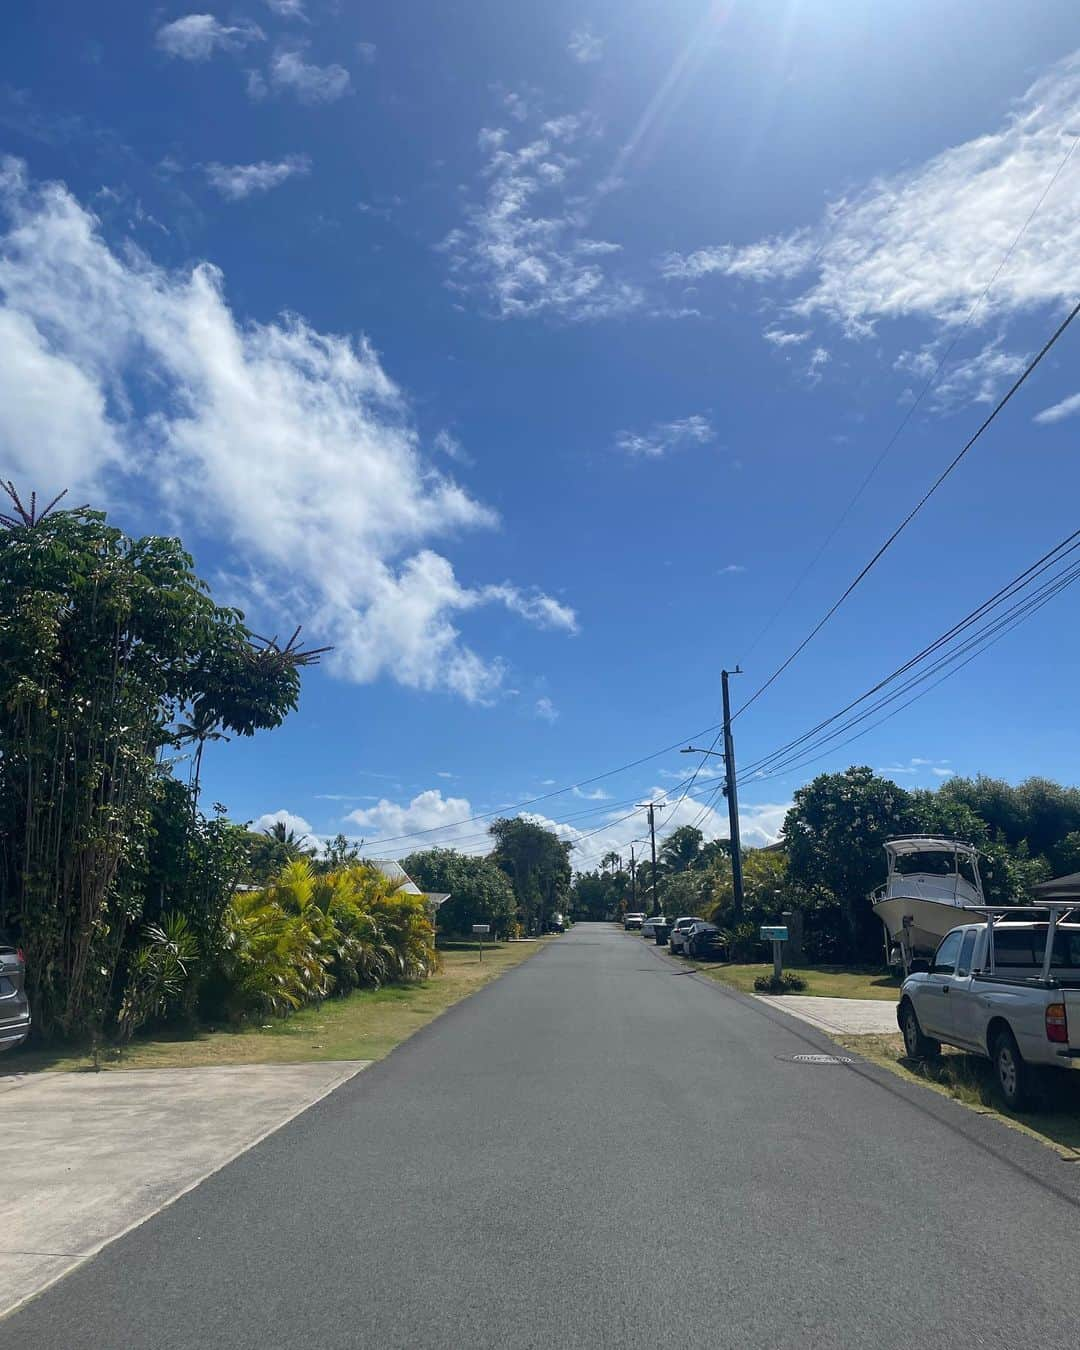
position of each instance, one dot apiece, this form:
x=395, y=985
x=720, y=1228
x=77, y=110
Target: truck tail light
x=1057, y=1025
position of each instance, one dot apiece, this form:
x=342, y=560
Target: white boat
x=917, y=908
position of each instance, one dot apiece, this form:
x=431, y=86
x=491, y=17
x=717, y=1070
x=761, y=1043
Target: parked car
x=633, y=921
x=14, y=1004
x=705, y=942
x=648, y=928
x=556, y=924
x=1015, y=1000
x=679, y=930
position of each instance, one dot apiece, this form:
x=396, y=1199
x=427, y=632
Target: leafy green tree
x=537, y=862
x=681, y=850
x=685, y=892
x=480, y=891
x=834, y=835
x=111, y=651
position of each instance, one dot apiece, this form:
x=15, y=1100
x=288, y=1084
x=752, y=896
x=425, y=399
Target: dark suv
x=14, y=1005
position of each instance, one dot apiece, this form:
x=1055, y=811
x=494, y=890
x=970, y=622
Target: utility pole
x=731, y=792
x=633, y=881
x=651, y=808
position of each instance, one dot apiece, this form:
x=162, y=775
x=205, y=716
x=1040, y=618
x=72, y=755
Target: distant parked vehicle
x=14, y=1004
x=632, y=921
x=679, y=930
x=648, y=928
x=705, y=942
x=556, y=924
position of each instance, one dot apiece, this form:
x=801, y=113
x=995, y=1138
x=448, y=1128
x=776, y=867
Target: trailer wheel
x=1013, y=1075
x=916, y=1044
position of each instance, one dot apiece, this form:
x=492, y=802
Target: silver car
x=14, y=1005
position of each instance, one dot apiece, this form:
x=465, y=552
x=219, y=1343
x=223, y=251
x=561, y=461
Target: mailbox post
x=777, y=934
x=480, y=929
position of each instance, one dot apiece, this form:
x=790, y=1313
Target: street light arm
x=699, y=750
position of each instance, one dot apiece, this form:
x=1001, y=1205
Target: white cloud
x=237, y=181
x=584, y=46
x=297, y=824
x=979, y=378
x=428, y=811
x=516, y=105
x=288, y=9
x=443, y=773
x=779, y=338
x=51, y=413
x=767, y=260
x=1059, y=411
x=310, y=477
x=758, y=825
x=451, y=447
x=366, y=51
x=819, y=359
x=290, y=73
x=543, y=610
x=664, y=436
x=524, y=244
x=445, y=822
x=925, y=242
x=914, y=767
x=195, y=37
x=596, y=795
x=546, y=710
x=731, y=569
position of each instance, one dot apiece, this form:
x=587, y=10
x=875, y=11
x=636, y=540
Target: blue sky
x=529, y=355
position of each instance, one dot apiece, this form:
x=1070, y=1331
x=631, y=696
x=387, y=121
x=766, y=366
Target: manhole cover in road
x=822, y=1059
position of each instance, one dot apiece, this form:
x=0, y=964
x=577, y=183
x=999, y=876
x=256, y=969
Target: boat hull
x=930, y=921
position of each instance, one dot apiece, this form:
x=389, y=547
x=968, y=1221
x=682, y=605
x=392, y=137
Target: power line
x=914, y=510
x=791, y=757
x=1061, y=550
x=913, y=407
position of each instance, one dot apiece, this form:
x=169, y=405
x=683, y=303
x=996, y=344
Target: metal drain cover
x=822, y=1059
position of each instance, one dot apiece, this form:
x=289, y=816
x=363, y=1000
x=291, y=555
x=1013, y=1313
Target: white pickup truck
x=1007, y=988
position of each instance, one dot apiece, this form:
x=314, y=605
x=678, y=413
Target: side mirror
x=919, y=967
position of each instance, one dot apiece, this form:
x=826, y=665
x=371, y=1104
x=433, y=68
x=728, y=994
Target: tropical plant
x=158, y=972
x=111, y=651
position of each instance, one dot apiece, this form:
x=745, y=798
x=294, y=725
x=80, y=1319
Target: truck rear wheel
x=1013, y=1075
x=916, y=1044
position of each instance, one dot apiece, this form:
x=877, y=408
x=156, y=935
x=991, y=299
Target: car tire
x=916, y=1044
x=1012, y=1073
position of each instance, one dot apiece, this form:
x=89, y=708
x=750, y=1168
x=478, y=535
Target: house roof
x=1059, y=888
x=393, y=871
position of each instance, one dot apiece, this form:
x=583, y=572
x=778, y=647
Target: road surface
x=601, y=1150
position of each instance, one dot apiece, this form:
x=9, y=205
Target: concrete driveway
x=88, y=1156
x=839, y=1016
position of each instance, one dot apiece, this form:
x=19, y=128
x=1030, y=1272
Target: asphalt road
x=600, y=1150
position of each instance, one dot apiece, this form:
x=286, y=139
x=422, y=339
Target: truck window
x=946, y=954
x=963, y=964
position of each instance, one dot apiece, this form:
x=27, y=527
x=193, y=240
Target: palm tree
x=681, y=850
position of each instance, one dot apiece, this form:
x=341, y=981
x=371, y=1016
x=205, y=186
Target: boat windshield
x=934, y=864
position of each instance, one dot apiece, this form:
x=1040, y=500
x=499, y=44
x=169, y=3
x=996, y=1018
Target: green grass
x=366, y=1024
x=821, y=981
x=970, y=1079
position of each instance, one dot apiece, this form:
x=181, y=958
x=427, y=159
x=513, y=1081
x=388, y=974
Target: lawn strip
x=366, y=1024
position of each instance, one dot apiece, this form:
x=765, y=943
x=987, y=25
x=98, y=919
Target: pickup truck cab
x=1009, y=991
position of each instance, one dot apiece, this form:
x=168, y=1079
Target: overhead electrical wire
x=931, y=380
x=791, y=756
x=957, y=458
